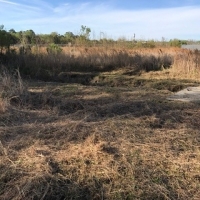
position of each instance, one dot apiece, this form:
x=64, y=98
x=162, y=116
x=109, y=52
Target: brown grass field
x=116, y=137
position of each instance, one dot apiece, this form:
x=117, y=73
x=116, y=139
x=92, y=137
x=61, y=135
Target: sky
x=147, y=19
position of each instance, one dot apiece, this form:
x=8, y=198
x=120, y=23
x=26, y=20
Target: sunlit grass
x=116, y=137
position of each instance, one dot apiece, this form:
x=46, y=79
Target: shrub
x=175, y=43
x=54, y=49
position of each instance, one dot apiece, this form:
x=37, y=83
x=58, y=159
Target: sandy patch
x=189, y=94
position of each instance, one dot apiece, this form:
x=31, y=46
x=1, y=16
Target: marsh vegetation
x=94, y=123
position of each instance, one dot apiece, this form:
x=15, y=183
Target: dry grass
x=3, y=106
x=120, y=141
x=11, y=88
x=182, y=63
x=47, y=67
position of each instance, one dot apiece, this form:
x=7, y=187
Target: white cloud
x=11, y=5
x=9, y=2
x=179, y=22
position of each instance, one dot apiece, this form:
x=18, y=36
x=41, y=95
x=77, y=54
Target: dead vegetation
x=115, y=138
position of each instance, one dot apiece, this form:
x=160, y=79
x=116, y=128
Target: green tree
x=52, y=38
x=12, y=31
x=55, y=38
x=85, y=32
x=1, y=27
x=84, y=35
x=69, y=37
x=19, y=36
x=28, y=37
x=44, y=39
x=6, y=39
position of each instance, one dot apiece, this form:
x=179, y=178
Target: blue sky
x=147, y=19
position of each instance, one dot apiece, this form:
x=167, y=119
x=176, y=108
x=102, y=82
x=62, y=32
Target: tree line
x=29, y=37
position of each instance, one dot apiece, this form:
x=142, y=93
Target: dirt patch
x=190, y=94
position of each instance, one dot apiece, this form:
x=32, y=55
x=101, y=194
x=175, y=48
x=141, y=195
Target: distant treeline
x=29, y=37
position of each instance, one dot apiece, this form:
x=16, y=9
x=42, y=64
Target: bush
x=54, y=49
x=175, y=43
